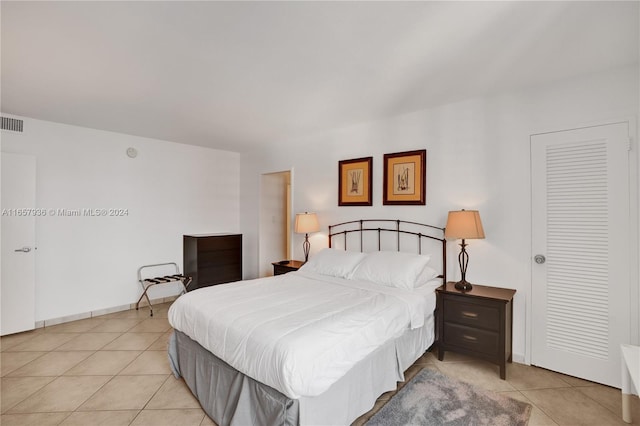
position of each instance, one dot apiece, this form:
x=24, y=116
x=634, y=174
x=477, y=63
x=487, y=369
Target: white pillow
x=426, y=276
x=333, y=262
x=392, y=269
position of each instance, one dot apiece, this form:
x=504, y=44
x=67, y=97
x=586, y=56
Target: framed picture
x=405, y=178
x=354, y=182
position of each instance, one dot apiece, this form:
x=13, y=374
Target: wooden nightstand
x=476, y=323
x=285, y=266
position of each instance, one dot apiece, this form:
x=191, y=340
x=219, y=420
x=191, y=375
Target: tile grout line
x=132, y=361
x=63, y=373
x=17, y=368
x=152, y=396
x=617, y=413
x=534, y=405
x=68, y=415
x=25, y=398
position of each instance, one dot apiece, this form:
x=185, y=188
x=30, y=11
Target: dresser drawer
x=219, y=274
x=220, y=257
x=482, y=341
x=471, y=314
x=223, y=242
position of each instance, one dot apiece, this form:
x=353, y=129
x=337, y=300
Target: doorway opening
x=274, y=240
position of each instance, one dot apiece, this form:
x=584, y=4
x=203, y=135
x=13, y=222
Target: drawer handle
x=469, y=315
x=469, y=338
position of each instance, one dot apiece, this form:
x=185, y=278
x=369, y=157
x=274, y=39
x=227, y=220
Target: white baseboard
x=100, y=312
x=68, y=318
x=112, y=310
x=519, y=358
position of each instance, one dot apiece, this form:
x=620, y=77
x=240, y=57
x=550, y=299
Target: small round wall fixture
x=132, y=152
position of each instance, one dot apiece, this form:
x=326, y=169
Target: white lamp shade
x=306, y=223
x=464, y=224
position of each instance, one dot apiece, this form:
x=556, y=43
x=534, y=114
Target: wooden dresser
x=211, y=259
x=476, y=323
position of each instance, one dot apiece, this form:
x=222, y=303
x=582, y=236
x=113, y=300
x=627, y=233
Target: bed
x=320, y=345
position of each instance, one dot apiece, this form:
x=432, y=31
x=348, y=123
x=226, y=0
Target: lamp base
x=306, y=246
x=463, y=285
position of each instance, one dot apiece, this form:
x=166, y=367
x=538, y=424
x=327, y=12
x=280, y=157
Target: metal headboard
x=361, y=226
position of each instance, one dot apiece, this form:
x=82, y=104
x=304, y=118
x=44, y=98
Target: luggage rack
x=147, y=283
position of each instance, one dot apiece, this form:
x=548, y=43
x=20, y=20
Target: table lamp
x=306, y=223
x=464, y=224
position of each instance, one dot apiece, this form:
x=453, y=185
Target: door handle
x=23, y=249
x=540, y=259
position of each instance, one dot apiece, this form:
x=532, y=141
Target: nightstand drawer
x=471, y=338
x=279, y=269
x=471, y=314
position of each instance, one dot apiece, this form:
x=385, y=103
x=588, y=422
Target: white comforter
x=298, y=332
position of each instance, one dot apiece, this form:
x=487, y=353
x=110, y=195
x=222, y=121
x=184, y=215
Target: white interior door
x=581, y=222
x=18, y=243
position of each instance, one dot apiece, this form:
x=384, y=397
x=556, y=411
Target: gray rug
x=431, y=398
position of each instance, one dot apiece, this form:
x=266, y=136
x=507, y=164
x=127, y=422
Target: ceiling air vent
x=12, y=124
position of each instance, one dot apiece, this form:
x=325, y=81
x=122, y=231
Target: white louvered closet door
x=580, y=221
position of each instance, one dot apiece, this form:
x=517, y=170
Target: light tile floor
x=113, y=370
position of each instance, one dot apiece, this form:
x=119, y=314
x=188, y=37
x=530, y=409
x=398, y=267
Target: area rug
x=431, y=398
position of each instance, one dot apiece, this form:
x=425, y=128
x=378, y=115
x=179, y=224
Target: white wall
x=85, y=264
x=477, y=157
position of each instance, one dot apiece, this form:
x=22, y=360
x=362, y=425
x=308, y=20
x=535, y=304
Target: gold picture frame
x=405, y=178
x=354, y=182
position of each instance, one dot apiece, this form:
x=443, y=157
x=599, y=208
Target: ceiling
x=238, y=75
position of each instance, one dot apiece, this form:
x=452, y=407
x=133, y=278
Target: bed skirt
x=231, y=398
x=226, y=395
